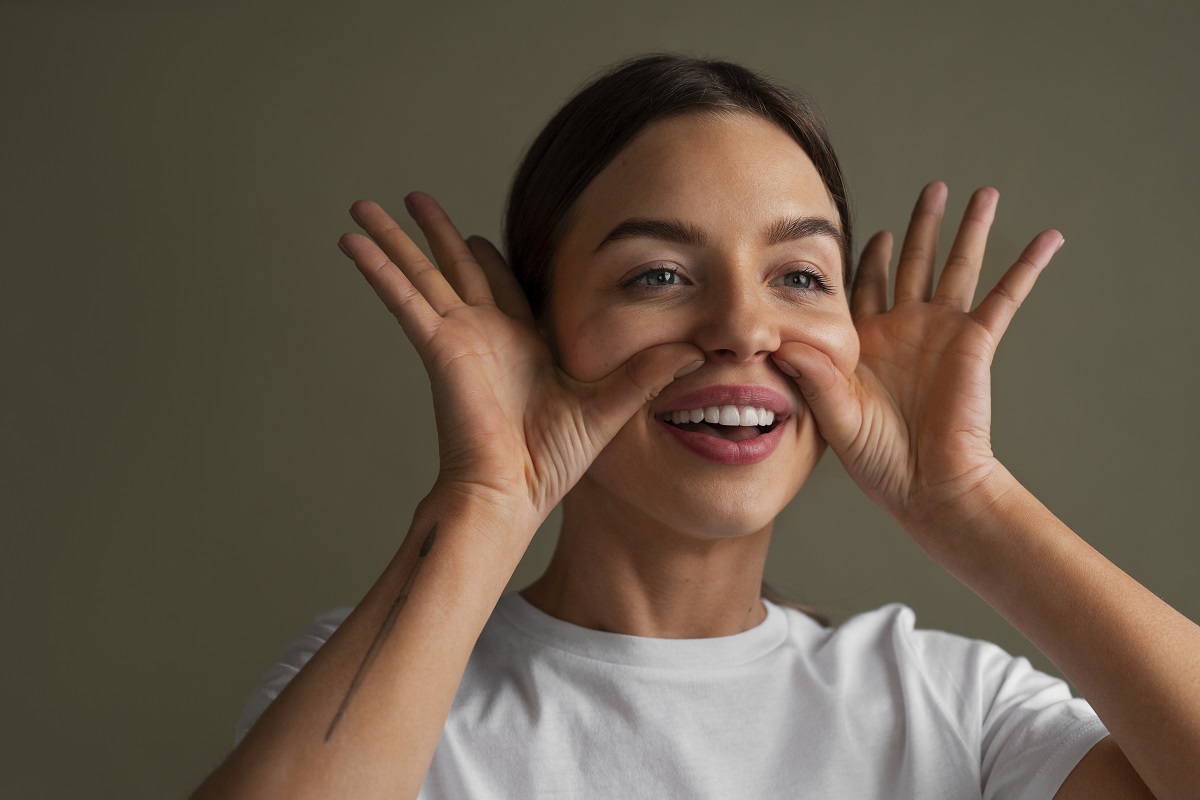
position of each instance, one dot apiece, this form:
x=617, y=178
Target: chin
x=724, y=512
x=703, y=507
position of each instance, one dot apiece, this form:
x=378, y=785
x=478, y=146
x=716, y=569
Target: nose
x=739, y=323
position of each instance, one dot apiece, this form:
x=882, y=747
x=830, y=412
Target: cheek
x=832, y=334
x=591, y=347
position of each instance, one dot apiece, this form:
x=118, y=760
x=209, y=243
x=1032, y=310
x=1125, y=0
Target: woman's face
x=716, y=231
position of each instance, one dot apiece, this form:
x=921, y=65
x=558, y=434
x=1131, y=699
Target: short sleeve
x=1032, y=731
x=289, y=662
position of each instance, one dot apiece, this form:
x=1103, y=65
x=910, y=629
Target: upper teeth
x=724, y=415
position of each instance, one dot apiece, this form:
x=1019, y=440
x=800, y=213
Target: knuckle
x=1025, y=261
x=1005, y=293
x=917, y=252
x=959, y=261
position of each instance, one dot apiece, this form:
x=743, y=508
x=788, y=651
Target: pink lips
x=721, y=450
x=757, y=396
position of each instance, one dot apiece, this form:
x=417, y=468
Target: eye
x=805, y=280
x=658, y=276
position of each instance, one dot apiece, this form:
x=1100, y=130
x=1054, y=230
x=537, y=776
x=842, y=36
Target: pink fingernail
x=344, y=249
x=787, y=368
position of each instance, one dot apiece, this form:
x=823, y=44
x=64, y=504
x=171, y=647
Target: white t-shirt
x=869, y=709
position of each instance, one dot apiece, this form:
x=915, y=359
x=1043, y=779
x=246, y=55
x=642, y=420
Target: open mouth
x=731, y=423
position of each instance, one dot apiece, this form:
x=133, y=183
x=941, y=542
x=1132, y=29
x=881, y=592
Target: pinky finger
x=416, y=317
x=997, y=309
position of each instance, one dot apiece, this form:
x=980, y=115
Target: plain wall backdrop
x=212, y=429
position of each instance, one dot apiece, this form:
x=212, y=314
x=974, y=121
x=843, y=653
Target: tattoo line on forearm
x=384, y=629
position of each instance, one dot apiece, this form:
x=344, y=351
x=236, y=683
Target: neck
x=620, y=570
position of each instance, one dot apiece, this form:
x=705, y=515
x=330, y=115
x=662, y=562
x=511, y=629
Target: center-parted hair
x=588, y=132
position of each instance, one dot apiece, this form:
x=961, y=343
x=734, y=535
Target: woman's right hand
x=512, y=427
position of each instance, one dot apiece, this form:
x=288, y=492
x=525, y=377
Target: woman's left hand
x=912, y=424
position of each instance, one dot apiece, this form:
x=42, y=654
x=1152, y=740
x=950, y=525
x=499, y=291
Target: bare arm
x=1135, y=659
x=912, y=426
x=364, y=716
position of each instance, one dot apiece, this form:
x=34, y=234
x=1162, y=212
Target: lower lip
x=723, y=451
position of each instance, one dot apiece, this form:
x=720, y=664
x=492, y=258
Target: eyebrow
x=785, y=230
x=793, y=228
x=667, y=230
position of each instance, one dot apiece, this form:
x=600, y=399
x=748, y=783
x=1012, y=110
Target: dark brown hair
x=588, y=132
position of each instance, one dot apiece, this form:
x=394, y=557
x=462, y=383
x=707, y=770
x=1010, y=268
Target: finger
x=956, y=287
x=618, y=396
x=449, y=250
x=405, y=254
x=996, y=310
x=510, y=297
x=914, y=274
x=418, y=319
x=870, y=293
x=825, y=390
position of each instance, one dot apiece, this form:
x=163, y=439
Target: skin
x=678, y=535
x=530, y=412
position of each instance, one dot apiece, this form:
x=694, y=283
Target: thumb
x=825, y=389
x=617, y=396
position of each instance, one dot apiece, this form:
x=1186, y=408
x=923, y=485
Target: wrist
x=498, y=517
x=957, y=515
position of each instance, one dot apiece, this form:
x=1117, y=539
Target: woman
x=679, y=349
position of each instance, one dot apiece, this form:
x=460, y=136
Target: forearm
x=362, y=719
x=1133, y=657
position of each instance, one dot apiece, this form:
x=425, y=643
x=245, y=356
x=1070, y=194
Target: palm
x=511, y=425
x=503, y=409
x=925, y=376
x=912, y=423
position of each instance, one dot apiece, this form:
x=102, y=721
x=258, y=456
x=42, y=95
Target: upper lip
x=756, y=396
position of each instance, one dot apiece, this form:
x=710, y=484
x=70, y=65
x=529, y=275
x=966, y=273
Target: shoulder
x=889, y=637
x=1026, y=728
x=958, y=673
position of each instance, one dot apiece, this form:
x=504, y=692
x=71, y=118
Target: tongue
x=734, y=433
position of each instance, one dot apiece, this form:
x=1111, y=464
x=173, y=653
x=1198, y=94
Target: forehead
x=729, y=174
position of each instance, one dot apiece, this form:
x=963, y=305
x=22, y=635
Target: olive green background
x=212, y=430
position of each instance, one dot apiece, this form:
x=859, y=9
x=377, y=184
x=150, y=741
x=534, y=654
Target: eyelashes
x=805, y=279
x=655, y=276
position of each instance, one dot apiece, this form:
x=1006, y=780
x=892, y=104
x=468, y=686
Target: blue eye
x=655, y=277
x=805, y=280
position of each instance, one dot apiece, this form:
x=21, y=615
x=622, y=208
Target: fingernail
x=343, y=248
x=1061, y=242
x=689, y=368
x=787, y=368
x=408, y=206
